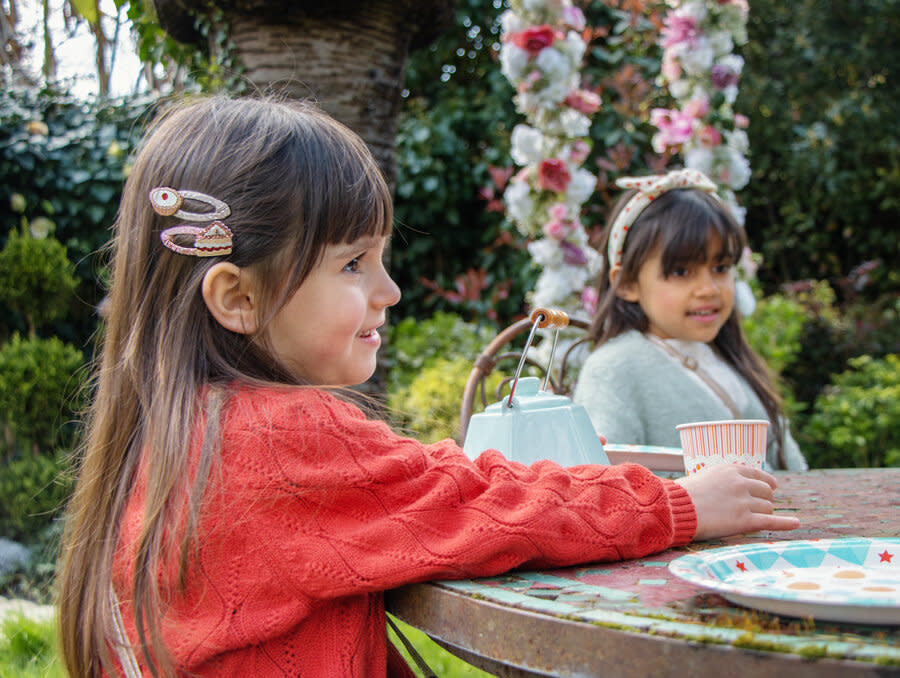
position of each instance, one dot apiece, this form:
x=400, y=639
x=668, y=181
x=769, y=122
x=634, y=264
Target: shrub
x=414, y=345
x=36, y=278
x=774, y=330
x=33, y=490
x=856, y=420
x=429, y=405
x=40, y=390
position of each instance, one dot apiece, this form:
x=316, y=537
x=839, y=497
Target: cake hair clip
x=213, y=240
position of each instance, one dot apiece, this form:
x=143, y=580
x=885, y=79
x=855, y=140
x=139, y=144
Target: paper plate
x=853, y=579
x=654, y=457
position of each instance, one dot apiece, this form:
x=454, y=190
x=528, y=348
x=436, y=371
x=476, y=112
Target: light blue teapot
x=531, y=423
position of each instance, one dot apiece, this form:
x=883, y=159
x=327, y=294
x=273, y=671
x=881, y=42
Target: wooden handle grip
x=550, y=317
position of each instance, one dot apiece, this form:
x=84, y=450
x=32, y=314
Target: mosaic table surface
x=643, y=596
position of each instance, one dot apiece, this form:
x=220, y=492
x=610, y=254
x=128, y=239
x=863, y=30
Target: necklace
x=691, y=363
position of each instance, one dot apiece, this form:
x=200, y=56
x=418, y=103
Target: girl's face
x=327, y=331
x=693, y=303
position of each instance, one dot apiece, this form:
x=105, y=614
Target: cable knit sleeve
x=333, y=504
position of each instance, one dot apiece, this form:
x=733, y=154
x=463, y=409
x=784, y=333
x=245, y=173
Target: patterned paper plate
x=853, y=580
x=654, y=457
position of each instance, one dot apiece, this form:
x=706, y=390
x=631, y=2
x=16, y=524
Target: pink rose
x=671, y=69
x=709, y=136
x=674, y=126
x=558, y=211
x=553, y=175
x=583, y=101
x=557, y=229
x=741, y=121
x=579, y=152
x=534, y=39
x=574, y=17
x=678, y=29
x=696, y=108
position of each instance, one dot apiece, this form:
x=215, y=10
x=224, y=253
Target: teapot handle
x=550, y=317
x=540, y=318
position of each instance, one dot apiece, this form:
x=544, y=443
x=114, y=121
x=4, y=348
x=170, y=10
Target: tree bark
x=352, y=66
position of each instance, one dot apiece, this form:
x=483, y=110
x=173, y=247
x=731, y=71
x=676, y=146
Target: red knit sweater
x=316, y=510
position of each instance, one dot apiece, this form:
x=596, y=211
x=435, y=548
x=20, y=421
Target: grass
x=441, y=662
x=28, y=648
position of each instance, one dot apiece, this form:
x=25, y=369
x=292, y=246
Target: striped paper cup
x=733, y=441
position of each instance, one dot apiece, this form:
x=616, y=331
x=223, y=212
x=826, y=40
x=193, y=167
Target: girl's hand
x=732, y=500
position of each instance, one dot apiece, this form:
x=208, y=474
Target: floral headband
x=649, y=189
x=209, y=241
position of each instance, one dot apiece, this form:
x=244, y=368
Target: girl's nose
x=387, y=292
x=706, y=282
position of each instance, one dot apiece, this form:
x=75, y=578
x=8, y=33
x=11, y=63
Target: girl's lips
x=371, y=337
x=704, y=315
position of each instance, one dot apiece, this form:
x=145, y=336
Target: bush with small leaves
x=40, y=391
x=856, y=419
x=37, y=279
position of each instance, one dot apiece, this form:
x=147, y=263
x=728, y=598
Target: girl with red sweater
x=232, y=515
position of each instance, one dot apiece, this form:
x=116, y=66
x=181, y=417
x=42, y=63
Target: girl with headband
x=669, y=344
x=235, y=514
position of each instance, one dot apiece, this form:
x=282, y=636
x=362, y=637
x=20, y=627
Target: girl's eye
x=352, y=266
x=679, y=272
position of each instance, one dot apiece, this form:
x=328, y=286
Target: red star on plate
x=885, y=557
x=739, y=565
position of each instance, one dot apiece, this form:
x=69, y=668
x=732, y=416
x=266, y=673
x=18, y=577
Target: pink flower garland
x=541, y=56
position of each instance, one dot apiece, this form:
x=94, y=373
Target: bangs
x=691, y=225
x=367, y=210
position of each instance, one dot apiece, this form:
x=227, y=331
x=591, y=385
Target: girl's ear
x=229, y=296
x=626, y=291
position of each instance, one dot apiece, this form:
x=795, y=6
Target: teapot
x=532, y=423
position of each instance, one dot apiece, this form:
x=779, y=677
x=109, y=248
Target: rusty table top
x=634, y=618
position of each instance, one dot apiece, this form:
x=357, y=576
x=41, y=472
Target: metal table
x=634, y=618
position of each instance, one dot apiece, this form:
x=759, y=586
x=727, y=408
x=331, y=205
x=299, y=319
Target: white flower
x=720, y=42
x=527, y=145
x=580, y=187
x=693, y=9
x=553, y=63
x=680, y=88
x=697, y=60
x=519, y=201
x=511, y=22
x=699, y=158
x=730, y=93
x=733, y=62
x=571, y=124
x=737, y=139
x=574, y=47
x=513, y=62
x=738, y=170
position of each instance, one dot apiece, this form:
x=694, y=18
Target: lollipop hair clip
x=212, y=240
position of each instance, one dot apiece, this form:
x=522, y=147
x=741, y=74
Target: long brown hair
x=296, y=181
x=678, y=225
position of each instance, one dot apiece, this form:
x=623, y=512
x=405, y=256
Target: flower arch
x=541, y=55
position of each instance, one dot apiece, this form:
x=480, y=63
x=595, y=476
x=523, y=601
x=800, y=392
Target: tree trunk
x=351, y=66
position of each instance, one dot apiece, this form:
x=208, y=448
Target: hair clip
x=167, y=202
x=209, y=241
x=212, y=241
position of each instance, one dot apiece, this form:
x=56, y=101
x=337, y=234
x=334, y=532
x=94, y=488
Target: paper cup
x=733, y=441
